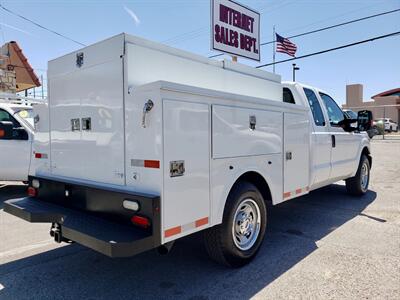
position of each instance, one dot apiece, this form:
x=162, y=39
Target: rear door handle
x=333, y=141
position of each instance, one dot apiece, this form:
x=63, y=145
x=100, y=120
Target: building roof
x=393, y=92
x=25, y=75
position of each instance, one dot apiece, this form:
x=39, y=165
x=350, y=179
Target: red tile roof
x=387, y=93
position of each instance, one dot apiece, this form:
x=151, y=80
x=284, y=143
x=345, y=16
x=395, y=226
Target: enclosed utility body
x=146, y=144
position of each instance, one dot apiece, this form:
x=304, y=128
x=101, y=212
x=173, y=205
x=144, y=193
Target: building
x=16, y=74
x=382, y=105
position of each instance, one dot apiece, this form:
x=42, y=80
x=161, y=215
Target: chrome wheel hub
x=246, y=225
x=364, y=176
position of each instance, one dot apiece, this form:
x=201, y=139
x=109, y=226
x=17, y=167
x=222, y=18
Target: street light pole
x=294, y=71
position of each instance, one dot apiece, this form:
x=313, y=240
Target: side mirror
x=6, y=130
x=364, y=120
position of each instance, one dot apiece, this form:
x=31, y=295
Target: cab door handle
x=333, y=141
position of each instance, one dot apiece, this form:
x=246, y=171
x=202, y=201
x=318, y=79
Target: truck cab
x=336, y=146
x=16, y=136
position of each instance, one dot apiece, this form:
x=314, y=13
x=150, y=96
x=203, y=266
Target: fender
x=219, y=205
x=364, y=144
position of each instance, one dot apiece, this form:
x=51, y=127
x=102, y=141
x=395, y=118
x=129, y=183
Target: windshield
x=26, y=114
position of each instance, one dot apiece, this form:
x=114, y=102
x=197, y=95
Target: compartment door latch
x=148, y=106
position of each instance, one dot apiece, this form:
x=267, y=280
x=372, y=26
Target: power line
x=333, y=49
x=202, y=30
x=40, y=26
x=325, y=28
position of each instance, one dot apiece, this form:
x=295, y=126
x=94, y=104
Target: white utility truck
x=16, y=136
x=143, y=144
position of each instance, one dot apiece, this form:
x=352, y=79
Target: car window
x=5, y=116
x=288, y=96
x=315, y=107
x=335, y=114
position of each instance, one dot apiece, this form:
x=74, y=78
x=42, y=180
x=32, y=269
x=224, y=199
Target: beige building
x=382, y=105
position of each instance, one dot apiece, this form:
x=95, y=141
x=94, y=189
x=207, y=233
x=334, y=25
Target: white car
x=16, y=137
x=389, y=124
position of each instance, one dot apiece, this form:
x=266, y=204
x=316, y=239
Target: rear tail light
x=32, y=192
x=140, y=221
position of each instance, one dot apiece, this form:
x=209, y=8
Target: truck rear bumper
x=107, y=237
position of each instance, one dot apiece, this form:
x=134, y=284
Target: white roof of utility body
x=234, y=66
x=145, y=61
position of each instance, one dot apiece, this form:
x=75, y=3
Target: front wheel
x=358, y=185
x=237, y=240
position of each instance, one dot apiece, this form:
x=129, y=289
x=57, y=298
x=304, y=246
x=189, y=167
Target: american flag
x=283, y=45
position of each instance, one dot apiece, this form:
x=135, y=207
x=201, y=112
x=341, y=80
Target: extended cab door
x=15, y=152
x=344, y=144
x=321, y=143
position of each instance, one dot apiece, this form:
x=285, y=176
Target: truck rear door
x=86, y=113
x=321, y=141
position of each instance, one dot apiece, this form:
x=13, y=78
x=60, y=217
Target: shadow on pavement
x=186, y=272
x=10, y=192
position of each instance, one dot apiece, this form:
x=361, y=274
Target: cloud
x=133, y=15
x=16, y=28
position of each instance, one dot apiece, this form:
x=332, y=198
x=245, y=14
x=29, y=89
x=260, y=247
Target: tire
x=220, y=242
x=358, y=185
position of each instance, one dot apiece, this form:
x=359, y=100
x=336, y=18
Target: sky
x=185, y=24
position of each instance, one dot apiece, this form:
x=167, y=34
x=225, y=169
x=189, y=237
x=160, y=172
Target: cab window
x=288, y=96
x=315, y=107
x=334, y=112
x=5, y=116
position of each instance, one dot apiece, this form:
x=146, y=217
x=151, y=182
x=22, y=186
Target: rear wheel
x=237, y=240
x=358, y=185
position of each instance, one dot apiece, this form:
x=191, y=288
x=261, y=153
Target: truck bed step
x=109, y=238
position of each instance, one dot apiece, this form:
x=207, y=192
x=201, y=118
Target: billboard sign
x=235, y=29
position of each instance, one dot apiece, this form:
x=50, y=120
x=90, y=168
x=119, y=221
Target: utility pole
x=294, y=71
x=273, y=48
x=41, y=78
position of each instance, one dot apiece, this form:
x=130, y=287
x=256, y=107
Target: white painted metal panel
x=65, y=104
x=41, y=140
x=297, y=142
x=94, y=92
x=145, y=65
x=101, y=93
x=143, y=143
x=186, y=138
x=233, y=137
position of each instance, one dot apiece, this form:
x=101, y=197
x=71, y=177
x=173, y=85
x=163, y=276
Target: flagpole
x=273, y=48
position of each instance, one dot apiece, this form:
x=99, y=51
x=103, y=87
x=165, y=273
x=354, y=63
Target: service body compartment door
x=186, y=200
x=240, y=132
x=87, y=123
x=296, y=154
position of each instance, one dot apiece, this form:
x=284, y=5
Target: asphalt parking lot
x=324, y=245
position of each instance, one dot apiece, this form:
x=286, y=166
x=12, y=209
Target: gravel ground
x=324, y=245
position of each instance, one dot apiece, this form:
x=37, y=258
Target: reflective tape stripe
x=287, y=194
x=154, y=164
x=40, y=155
x=186, y=227
x=296, y=192
x=201, y=222
x=173, y=231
